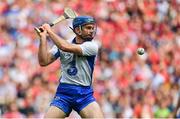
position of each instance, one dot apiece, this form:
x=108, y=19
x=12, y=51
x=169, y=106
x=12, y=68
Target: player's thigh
x=54, y=112
x=91, y=111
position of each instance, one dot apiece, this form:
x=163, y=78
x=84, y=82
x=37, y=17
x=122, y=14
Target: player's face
x=89, y=31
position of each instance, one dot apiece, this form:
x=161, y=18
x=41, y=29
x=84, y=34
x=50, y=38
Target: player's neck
x=79, y=40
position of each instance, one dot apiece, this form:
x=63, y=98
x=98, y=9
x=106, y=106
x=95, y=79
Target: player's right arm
x=44, y=56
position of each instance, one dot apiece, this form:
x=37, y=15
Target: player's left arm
x=61, y=43
x=86, y=49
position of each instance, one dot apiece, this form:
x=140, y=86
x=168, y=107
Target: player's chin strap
x=86, y=39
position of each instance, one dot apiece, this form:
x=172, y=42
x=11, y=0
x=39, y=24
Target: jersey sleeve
x=89, y=48
x=55, y=51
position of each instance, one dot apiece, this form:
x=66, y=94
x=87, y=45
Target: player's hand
x=41, y=34
x=47, y=27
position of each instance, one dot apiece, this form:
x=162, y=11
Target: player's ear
x=78, y=30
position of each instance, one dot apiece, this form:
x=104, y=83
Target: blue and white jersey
x=77, y=69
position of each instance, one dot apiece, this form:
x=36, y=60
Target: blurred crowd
x=125, y=84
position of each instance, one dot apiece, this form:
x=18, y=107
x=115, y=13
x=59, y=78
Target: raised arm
x=44, y=56
x=61, y=43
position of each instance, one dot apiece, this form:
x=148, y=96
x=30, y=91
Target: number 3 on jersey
x=72, y=71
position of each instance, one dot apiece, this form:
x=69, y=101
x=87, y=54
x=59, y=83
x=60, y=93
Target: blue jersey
x=77, y=69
